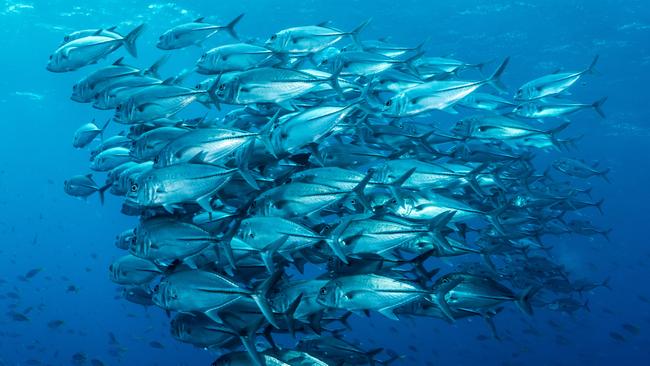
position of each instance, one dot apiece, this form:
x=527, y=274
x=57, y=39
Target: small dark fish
x=617, y=336
x=156, y=344
x=18, y=317
x=482, y=337
x=632, y=329
x=96, y=362
x=79, y=358
x=112, y=339
x=54, y=324
x=72, y=289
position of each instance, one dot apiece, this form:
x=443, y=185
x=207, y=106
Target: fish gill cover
x=323, y=187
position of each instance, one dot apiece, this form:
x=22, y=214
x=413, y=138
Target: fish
x=85, y=134
x=280, y=187
x=269, y=85
x=370, y=292
x=83, y=186
x=110, y=158
x=309, y=39
x=32, y=273
x=194, y=33
x=235, y=57
x=552, y=84
x=437, y=95
x=54, y=324
x=156, y=344
x=556, y=109
x=579, y=169
x=89, y=49
x=198, y=290
x=182, y=183
x=86, y=89
x=131, y=270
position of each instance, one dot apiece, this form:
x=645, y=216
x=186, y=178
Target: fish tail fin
x=592, y=67
x=344, y=320
x=472, y=178
x=418, y=264
x=599, y=205
x=230, y=27
x=409, y=61
x=586, y=305
x=605, y=283
x=333, y=80
x=395, y=185
x=438, y=298
x=101, y=132
x=155, y=67
x=358, y=190
x=419, y=48
x=355, y=32
x=495, y=79
x=441, y=221
x=129, y=40
x=559, y=128
x=597, y=105
x=605, y=234
x=289, y=314
x=101, y=192
x=523, y=302
x=260, y=297
x=334, y=241
x=242, y=166
x=247, y=338
x=249, y=345
x=265, y=134
x=604, y=175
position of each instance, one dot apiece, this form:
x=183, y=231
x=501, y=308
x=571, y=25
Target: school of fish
x=323, y=186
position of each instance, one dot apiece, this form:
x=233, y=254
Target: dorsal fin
x=199, y=20
x=118, y=62
x=98, y=32
x=112, y=29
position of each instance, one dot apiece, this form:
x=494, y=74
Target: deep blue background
x=73, y=240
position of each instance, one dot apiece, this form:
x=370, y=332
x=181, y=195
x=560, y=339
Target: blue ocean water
x=72, y=240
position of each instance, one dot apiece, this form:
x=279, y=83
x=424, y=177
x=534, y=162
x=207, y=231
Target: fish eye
x=251, y=235
x=393, y=201
x=156, y=288
x=134, y=187
x=389, y=103
x=324, y=62
x=222, y=87
x=323, y=291
x=50, y=57
x=273, y=37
